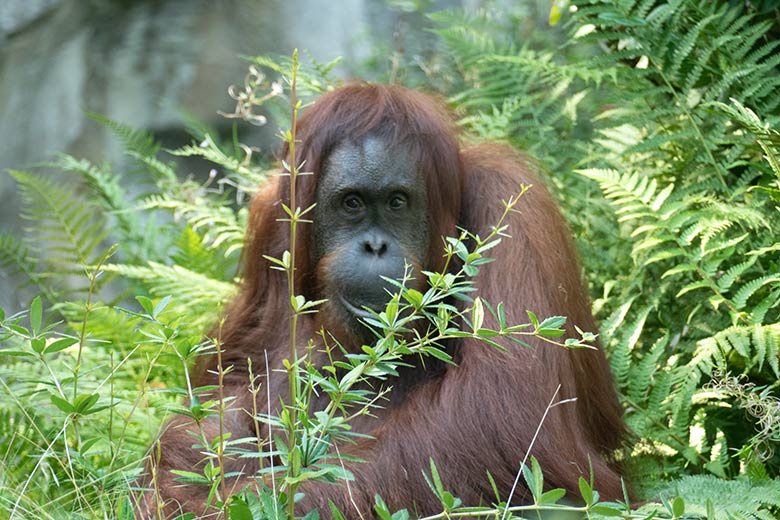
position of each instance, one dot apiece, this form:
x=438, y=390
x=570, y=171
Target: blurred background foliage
x=655, y=123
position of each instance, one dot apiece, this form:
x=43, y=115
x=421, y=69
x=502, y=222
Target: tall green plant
x=671, y=107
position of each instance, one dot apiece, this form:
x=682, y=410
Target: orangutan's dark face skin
x=370, y=220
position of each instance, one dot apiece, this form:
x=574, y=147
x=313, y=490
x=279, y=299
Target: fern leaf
x=250, y=177
x=748, y=289
x=757, y=344
x=160, y=171
x=197, y=290
x=681, y=406
x=140, y=142
x=219, y=223
x=701, y=284
x=642, y=374
x=69, y=224
x=621, y=352
x=110, y=195
x=677, y=269
x=759, y=311
x=730, y=499
x=729, y=277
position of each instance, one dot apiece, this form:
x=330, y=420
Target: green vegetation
x=657, y=124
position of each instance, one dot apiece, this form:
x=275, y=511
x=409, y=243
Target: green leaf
x=533, y=318
x=501, y=315
x=538, y=479
x=460, y=249
x=438, y=486
x=17, y=353
x=62, y=404
x=38, y=344
x=60, y=344
x=470, y=270
x=605, y=510
x=586, y=492
x=18, y=329
x=391, y=310
x=678, y=507
x=552, y=496
x=36, y=315
x=85, y=402
x=438, y=354
x=190, y=477
x=335, y=514
x=477, y=314
x=692, y=287
x=551, y=333
x=161, y=305
x=553, y=322
x=555, y=14
x=381, y=509
x=401, y=514
x=146, y=304
x=414, y=297
x=238, y=509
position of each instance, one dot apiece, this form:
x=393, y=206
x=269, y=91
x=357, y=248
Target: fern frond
x=681, y=406
x=767, y=138
x=218, y=223
x=760, y=309
x=71, y=226
x=621, y=350
x=748, y=289
x=111, y=196
x=163, y=174
x=643, y=372
x=16, y=257
x=728, y=499
x=729, y=277
x=200, y=294
x=758, y=345
x=193, y=252
x=248, y=177
x=140, y=142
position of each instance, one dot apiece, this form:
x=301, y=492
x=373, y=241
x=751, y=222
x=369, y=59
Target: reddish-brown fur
x=479, y=416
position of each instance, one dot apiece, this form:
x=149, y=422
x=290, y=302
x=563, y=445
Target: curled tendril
x=760, y=405
x=251, y=96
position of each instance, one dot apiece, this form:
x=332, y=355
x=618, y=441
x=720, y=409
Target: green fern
x=114, y=201
x=200, y=295
x=686, y=180
x=16, y=257
x=71, y=228
x=687, y=234
x=716, y=499
x=136, y=142
x=692, y=183
x=757, y=345
x=246, y=176
x=220, y=225
x=195, y=252
x=518, y=95
x=766, y=137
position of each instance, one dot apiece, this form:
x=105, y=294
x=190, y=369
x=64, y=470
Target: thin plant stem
x=528, y=451
x=221, y=390
x=254, y=389
x=292, y=375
